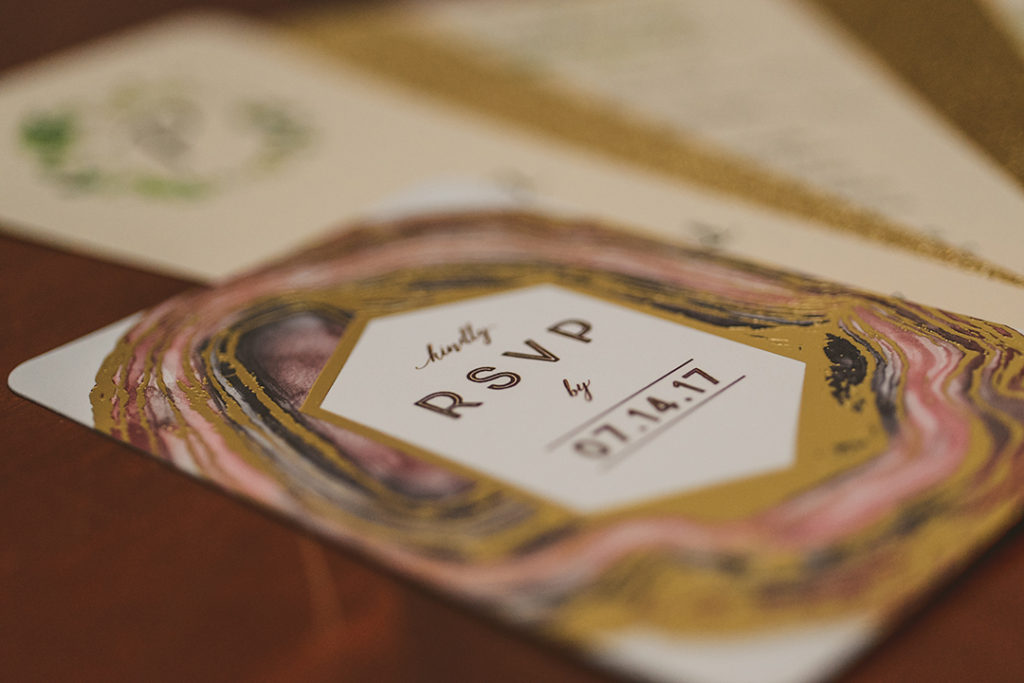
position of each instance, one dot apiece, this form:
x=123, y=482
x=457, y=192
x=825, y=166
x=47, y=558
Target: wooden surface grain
x=114, y=567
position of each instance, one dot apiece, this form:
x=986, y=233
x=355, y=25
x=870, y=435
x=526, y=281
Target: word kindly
x=448, y=403
x=467, y=335
x=578, y=388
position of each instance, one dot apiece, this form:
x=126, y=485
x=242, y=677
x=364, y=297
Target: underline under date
x=612, y=435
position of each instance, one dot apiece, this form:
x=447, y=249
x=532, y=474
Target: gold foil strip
x=953, y=54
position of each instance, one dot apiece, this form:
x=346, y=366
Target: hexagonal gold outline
x=352, y=334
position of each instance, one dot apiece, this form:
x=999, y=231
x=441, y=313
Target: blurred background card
x=204, y=144
x=767, y=100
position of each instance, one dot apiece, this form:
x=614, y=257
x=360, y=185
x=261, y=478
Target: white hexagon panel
x=584, y=402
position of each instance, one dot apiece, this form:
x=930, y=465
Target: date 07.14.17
x=621, y=429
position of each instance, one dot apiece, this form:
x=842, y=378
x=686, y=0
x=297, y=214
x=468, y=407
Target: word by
x=575, y=391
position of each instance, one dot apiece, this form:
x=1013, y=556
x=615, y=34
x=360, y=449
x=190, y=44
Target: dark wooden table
x=114, y=567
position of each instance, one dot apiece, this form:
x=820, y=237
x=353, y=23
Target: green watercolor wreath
x=51, y=137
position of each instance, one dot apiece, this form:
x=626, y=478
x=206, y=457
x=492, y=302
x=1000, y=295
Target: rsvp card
x=678, y=464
